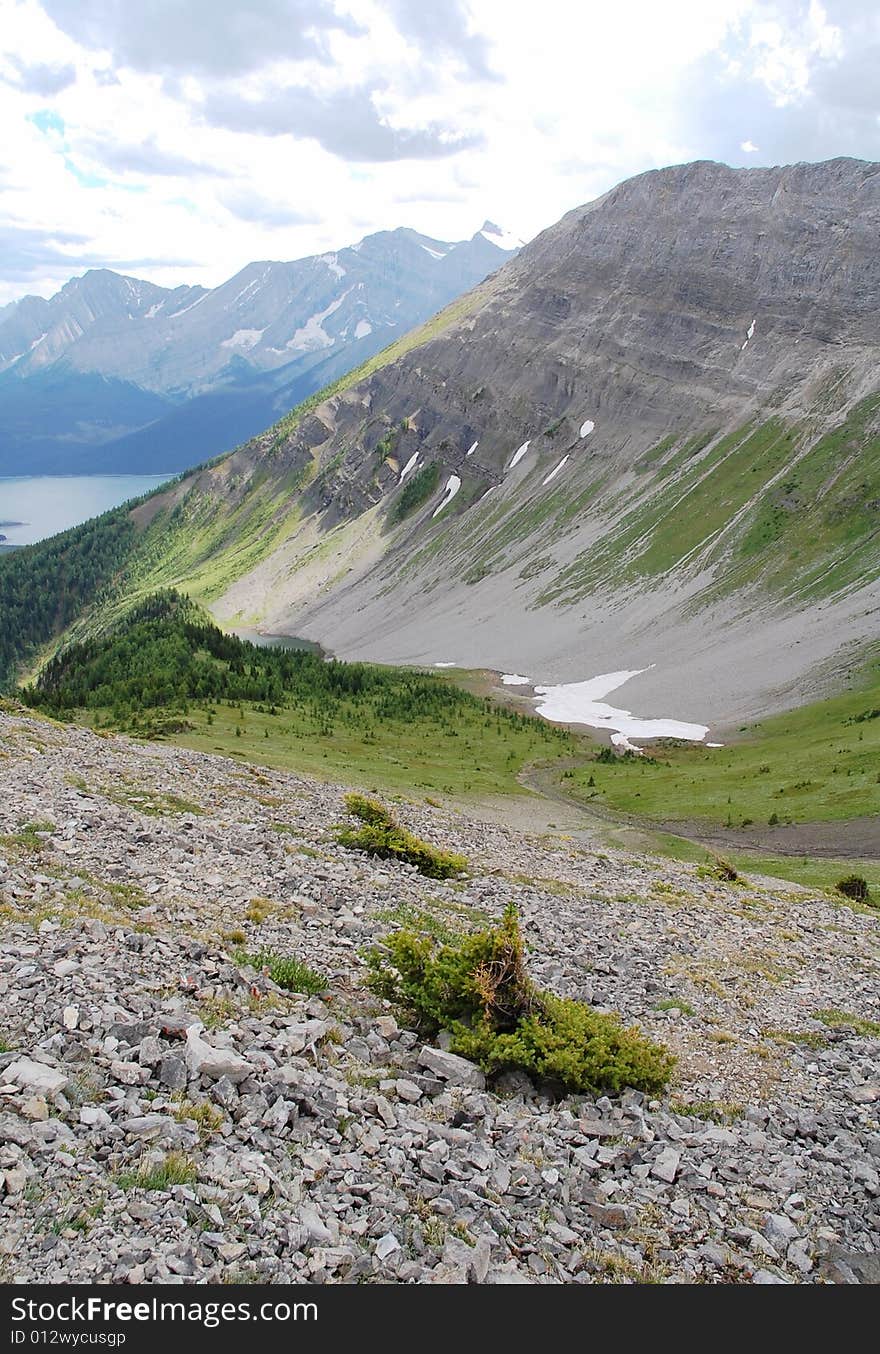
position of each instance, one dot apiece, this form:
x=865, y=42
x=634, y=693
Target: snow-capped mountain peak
x=501, y=238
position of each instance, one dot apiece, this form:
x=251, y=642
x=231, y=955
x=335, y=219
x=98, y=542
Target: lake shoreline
x=36, y=507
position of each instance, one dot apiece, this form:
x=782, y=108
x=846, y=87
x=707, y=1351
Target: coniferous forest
x=45, y=587
x=167, y=653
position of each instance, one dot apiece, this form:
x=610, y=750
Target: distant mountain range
x=117, y=374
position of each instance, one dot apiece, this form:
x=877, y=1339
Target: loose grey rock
x=386, y=1245
x=34, y=1076
x=172, y=1073
x=450, y=1067
x=665, y=1166
x=205, y=1060
x=333, y=1133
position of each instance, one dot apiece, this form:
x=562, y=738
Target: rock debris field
x=169, y=1115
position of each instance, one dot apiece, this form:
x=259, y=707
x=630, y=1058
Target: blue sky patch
x=47, y=121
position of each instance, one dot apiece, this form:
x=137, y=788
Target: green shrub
x=853, y=886
x=719, y=868
x=367, y=810
x=286, y=971
x=478, y=989
x=417, y=490
x=381, y=835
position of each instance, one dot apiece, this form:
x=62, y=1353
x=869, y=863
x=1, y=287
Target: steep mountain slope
x=258, y=343
x=692, y=361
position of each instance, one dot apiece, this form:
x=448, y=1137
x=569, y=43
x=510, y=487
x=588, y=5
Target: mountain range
x=650, y=442
x=647, y=446
x=114, y=373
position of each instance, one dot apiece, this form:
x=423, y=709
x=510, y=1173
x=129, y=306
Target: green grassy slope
x=789, y=508
x=165, y=670
x=780, y=505
x=809, y=872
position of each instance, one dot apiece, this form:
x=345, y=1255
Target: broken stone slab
x=665, y=1166
x=779, y=1229
x=172, y=1072
x=864, y=1095
x=450, y=1067
x=94, y=1117
x=612, y=1215
x=204, y=1060
x=386, y=1245
x=15, y=1130
x=319, y=1232
x=33, y=1076
x=146, y=1125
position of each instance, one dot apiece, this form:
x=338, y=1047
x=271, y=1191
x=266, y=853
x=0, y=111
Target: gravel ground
x=168, y=1115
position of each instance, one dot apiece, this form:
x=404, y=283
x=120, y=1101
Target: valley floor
x=292, y=1138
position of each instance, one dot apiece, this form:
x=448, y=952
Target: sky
x=177, y=140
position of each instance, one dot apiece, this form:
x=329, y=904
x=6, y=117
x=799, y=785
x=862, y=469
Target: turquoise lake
x=33, y=507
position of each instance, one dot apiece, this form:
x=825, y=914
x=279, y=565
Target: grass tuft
x=285, y=971
x=176, y=1169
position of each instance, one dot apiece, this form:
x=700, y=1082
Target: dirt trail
x=846, y=839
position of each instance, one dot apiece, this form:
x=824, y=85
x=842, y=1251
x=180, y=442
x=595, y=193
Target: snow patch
x=514, y=679
x=620, y=740
x=453, y=484
x=750, y=334
x=362, y=329
x=197, y=302
x=445, y=665
x=330, y=259
x=582, y=703
x=472, y=448
x=519, y=454
x=245, y=291
x=410, y=465
x=435, y=253
x=243, y=338
x=312, y=335
x=714, y=745
x=502, y=239
x=587, y=427
x=153, y=311
x=555, y=471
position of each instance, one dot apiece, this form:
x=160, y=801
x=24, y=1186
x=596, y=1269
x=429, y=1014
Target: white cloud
x=179, y=149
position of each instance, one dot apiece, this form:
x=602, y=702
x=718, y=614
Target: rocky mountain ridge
x=655, y=432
